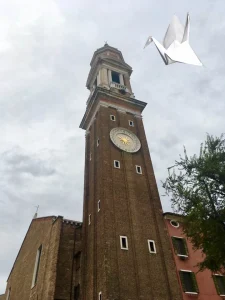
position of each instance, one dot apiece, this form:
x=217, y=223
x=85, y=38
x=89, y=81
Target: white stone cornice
x=104, y=104
x=107, y=105
x=120, y=108
x=122, y=111
x=138, y=116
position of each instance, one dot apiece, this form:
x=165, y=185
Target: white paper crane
x=176, y=46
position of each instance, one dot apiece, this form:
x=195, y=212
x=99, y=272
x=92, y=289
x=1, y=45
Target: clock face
x=125, y=139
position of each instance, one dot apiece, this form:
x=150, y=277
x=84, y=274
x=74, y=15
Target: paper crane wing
x=175, y=31
x=186, y=30
x=184, y=54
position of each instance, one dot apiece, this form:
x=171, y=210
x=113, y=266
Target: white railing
x=118, y=86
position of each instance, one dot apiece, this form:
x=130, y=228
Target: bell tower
x=126, y=249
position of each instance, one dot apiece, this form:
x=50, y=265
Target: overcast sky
x=45, y=50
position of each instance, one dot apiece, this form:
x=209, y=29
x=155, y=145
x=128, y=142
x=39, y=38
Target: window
x=174, y=223
x=112, y=118
x=116, y=164
x=77, y=260
x=97, y=142
x=138, y=169
x=77, y=292
x=8, y=294
x=219, y=281
x=151, y=246
x=100, y=296
x=90, y=156
x=89, y=220
x=189, y=282
x=180, y=246
x=99, y=205
x=131, y=123
x=123, y=243
x=36, y=266
x=115, y=77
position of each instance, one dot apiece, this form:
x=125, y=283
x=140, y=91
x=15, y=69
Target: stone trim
x=119, y=108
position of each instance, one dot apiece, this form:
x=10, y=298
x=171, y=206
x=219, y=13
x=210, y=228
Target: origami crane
x=176, y=46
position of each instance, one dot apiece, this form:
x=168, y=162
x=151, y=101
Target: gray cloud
x=18, y=162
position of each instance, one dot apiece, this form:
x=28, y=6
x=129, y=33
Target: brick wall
x=45, y=232
x=68, y=265
x=58, y=272
x=130, y=206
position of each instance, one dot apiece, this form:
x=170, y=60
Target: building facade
x=203, y=285
x=125, y=249
x=124, y=233
x=48, y=263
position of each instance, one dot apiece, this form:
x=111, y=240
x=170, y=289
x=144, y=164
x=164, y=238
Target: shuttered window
x=189, y=282
x=220, y=284
x=180, y=246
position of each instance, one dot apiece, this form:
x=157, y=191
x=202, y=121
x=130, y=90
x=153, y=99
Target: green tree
x=197, y=187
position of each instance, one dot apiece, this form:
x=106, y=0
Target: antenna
x=36, y=213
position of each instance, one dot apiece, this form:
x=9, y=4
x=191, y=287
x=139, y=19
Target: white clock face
x=125, y=139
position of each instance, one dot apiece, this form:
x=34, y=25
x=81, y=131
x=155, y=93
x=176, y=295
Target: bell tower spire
x=109, y=70
x=126, y=249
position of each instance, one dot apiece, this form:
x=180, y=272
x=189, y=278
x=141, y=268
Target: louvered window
x=189, y=282
x=219, y=281
x=180, y=246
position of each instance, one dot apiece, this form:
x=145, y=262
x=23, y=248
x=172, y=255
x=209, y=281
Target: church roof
x=106, y=47
x=110, y=55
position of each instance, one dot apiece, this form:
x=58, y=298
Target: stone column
x=127, y=83
x=109, y=76
x=104, y=77
x=121, y=79
x=98, y=78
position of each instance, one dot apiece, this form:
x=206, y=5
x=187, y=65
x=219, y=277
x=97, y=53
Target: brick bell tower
x=126, y=249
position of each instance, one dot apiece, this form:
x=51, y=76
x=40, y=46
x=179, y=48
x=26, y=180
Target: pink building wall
x=206, y=286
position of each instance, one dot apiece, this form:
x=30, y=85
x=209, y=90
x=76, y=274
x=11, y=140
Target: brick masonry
x=60, y=240
x=130, y=206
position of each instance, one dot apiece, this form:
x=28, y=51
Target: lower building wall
x=68, y=265
x=45, y=232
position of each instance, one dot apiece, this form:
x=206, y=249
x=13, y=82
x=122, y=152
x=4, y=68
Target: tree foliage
x=197, y=187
